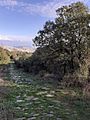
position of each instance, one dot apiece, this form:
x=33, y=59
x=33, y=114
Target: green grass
x=45, y=102
x=24, y=101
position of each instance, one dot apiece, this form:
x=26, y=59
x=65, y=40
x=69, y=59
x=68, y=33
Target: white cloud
x=9, y=3
x=46, y=9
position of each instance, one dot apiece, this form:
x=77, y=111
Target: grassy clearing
x=38, y=101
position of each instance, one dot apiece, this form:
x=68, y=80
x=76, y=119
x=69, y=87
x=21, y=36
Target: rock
x=42, y=92
x=52, y=92
x=26, y=113
x=25, y=95
x=37, y=102
x=32, y=118
x=18, y=108
x=50, y=115
x=45, y=88
x=56, y=101
x=58, y=119
x=23, y=118
x=17, y=97
x=51, y=106
x=29, y=98
x=35, y=99
x=49, y=95
x=51, y=112
x=42, y=106
x=35, y=115
x=18, y=101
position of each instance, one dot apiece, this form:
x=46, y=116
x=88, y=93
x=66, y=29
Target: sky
x=20, y=20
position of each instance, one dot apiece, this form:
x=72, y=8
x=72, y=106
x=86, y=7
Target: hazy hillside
x=16, y=43
x=7, y=53
x=22, y=49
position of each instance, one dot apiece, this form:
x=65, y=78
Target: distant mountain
x=15, y=43
x=20, y=49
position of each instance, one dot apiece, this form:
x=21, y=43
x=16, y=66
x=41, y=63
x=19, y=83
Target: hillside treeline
x=62, y=46
x=7, y=56
x=4, y=56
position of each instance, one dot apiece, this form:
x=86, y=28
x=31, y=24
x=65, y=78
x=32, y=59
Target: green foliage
x=67, y=37
x=63, y=44
x=4, y=56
